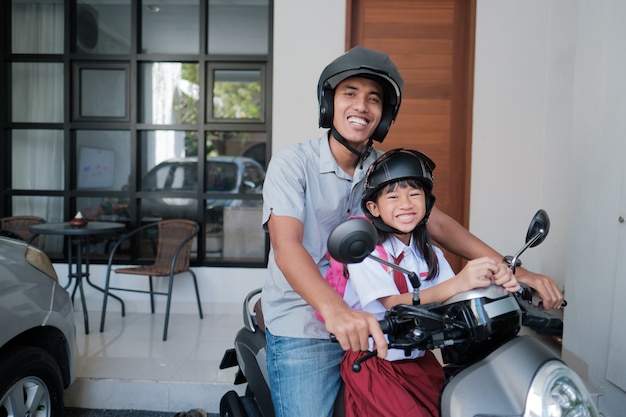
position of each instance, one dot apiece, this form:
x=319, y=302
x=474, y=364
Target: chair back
x=171, y=234
x=20, y=226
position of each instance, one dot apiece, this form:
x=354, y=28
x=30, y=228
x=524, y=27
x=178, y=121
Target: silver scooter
x=490, y=369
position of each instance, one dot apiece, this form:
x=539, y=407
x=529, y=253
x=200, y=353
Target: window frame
x=74, y=62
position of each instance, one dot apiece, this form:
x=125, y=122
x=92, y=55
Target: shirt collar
x=329, y=164
x=327, y=160
x=395, y=246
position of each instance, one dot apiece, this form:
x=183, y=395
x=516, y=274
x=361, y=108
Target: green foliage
x=236, y=100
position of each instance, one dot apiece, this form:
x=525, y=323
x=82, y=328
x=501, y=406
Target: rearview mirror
x=352, y=241
x=538, y=228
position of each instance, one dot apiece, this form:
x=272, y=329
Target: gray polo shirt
x=305, y=182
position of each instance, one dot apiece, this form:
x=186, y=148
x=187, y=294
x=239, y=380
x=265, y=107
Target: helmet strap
x=362, y=155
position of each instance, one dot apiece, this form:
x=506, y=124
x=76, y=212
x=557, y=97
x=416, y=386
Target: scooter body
x=499, y=383
x=490, y=369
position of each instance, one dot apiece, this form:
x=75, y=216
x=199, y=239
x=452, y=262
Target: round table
x=80, y=262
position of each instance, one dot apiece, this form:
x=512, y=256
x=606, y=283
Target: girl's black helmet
x=397, y=165
x=367, y=63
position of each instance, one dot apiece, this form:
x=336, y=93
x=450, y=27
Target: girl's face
x=357, y=109
x=401, y=207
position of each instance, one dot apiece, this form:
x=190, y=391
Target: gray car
x=37, y=333
x=224, y=174
x=226, y=219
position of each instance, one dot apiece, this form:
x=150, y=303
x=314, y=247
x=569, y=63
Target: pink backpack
x=337, y=274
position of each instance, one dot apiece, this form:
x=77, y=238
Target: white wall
x=522, y=125
x=549, y=131
x=307, y=36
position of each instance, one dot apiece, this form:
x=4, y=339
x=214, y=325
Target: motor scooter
x=491, y=370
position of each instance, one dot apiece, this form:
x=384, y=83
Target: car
x=224, y=174
x=230, y=176
x=37, y=333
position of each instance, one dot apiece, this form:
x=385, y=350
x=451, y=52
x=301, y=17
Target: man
x=309, y=189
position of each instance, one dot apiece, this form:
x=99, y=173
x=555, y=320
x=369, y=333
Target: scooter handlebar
x=385, y=326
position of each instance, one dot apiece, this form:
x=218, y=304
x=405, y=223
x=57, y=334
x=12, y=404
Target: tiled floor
x=128, y=366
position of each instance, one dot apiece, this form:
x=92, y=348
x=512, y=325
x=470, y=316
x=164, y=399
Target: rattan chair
x=20, y=226
x=173, y=252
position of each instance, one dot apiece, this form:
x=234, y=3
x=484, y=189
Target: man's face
x=358, y=109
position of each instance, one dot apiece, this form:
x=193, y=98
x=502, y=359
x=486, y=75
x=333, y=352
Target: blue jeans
x=304, y=375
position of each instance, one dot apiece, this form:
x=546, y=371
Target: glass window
x=170, y=93
x=160, y=146
x=103, y=160
x=37, y=27
x=172, y=175
x=169, y=165
x=237, y=143
x=155, y=109
x=49, y=208
x=240, y=28
x=232, y=225
x=237, y=94
x=243, y=238
x=37, y=92
x=37, y=160
x=170, y=26
x=103, y=26
x=102, y=92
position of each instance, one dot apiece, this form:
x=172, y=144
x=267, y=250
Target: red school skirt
x=392, y=388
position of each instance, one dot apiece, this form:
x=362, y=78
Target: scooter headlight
x=557, y=391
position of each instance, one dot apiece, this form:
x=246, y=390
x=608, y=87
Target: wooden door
x=432, y=43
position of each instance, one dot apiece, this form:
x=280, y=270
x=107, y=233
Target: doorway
x=432, y=43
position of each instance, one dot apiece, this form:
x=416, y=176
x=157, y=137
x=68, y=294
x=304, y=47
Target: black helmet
x=366, y=63
x=396, y=165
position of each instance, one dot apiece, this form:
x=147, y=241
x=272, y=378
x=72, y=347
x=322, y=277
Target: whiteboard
x=96, y=168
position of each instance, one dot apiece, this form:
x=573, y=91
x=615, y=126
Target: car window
x=253, y=174
x=221, y=176
x=178, y=178
x=171, y=177
x=155, y=180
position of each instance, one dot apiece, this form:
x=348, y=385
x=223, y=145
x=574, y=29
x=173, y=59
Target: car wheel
x=30, y=383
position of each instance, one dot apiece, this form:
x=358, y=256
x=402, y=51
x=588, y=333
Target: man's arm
x=458, y=240
x=351, y=328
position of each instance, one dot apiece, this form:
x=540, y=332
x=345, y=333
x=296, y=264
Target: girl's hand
x=477, y=273
x=505, y=277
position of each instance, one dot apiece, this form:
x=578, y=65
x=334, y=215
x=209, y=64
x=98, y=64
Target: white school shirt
x=369, y=281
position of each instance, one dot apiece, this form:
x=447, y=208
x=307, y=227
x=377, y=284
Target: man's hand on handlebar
x=353, y=328
x=545, y=286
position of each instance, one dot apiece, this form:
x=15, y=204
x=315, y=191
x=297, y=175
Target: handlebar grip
x=385, y=326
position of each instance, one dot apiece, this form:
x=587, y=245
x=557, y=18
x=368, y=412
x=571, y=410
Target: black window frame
x=74, y=122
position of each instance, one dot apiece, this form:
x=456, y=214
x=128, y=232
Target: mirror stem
x=526, y=246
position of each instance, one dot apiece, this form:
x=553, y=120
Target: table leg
x=79, y=280
x=86, y=275
x=80, y=263
x=70, y=274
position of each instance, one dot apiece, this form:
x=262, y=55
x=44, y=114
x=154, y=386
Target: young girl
x=398, y=199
